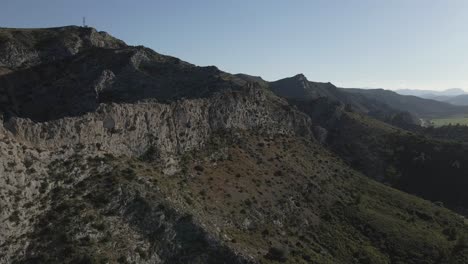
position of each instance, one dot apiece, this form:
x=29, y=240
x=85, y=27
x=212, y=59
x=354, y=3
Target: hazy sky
x=352, y=43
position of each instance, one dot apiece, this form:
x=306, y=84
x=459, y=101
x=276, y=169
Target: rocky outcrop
x=78, y=84
x=22, y=48
x=171, y=128
x=298, y=87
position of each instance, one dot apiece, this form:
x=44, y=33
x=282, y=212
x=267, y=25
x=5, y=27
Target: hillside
x=453, y=96
x=79, y=82
x=382, y=104
x=23, y=48
x=424, y=108
x=117, y=154
x=456, y=133
x=458, y=100
x=423, y=163
x=299, y=88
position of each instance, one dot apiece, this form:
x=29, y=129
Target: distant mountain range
x=378, y=103
x=455, y=96
x=424, y=93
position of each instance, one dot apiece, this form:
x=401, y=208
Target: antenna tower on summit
x=84, y=22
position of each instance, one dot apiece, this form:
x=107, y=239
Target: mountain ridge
x=431, y=93
x=455, y=96
x=22, y=48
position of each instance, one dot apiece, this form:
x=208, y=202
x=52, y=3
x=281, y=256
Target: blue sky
x=392, y=44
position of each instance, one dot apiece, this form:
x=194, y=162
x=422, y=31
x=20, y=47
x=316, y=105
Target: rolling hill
x=424, y=108
x=458, y=100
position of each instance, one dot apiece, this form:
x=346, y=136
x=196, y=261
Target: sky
x=391, y=44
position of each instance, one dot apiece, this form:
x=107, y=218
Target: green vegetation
x=454, y=120
x=286, y=200
x=458, y=133
x=274, y=198
x=430, y=168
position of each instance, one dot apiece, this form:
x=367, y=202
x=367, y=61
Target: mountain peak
x=300, y=76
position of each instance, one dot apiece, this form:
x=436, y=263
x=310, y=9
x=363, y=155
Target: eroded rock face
x=24, y=180
x=320, y=134
x=173, y=128
x=28, y=148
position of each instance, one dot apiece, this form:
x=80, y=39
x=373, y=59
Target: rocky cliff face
x=169, y=129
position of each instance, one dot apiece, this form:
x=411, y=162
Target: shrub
x=149, y=155
x=276, y=254
x=278, y=173
x=461, y=244
x=451, y=233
